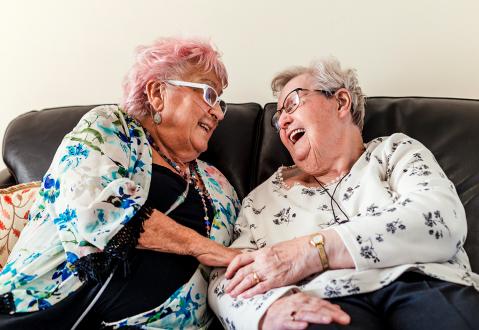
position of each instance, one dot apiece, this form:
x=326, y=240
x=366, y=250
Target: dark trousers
x=412, y=302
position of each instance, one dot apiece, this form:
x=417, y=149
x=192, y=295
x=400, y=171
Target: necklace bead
x=191, y=176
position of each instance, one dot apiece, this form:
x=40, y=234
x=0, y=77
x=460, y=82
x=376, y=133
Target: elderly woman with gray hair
x=354, y=235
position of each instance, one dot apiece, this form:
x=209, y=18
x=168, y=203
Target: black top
x=155, y=276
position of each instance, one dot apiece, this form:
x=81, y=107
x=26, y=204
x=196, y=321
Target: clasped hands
x=283, y=264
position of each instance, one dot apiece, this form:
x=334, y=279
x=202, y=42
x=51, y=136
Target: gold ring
x=256, y=279
x=292, y=315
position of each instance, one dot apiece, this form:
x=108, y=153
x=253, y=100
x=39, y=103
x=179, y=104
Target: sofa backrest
x=247, y=149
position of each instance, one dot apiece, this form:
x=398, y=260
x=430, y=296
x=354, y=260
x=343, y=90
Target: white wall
x=56, y=52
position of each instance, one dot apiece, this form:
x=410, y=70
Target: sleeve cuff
x=97, y=267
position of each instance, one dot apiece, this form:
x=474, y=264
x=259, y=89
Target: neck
x=160, y=150
x=348, y=150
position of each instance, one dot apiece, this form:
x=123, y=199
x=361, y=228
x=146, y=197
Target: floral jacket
x=88, y=215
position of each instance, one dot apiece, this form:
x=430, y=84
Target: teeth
x=206, y=127
x=296, y=134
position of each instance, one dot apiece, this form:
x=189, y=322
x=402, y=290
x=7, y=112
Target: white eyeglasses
x=209, y=94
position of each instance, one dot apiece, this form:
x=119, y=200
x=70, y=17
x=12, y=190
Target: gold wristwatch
x=317, y=240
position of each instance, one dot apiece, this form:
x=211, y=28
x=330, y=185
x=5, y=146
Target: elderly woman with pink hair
x=127, y=219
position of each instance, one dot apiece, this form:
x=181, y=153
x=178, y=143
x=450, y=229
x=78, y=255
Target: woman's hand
x=298, y=310
x=284, y=263
x=278, y=265
x=163, y=234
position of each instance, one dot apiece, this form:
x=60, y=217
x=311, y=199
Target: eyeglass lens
x=289, y=105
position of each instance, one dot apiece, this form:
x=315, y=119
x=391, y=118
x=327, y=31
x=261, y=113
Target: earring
x=157, y=118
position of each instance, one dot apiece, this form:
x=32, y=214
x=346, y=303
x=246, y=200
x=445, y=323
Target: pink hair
x=168, y=58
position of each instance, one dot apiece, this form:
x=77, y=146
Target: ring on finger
x=256, y=279
x=293, y=315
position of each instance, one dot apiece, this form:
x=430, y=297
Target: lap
x=413, y=301
x=419, y=302
x=362, y=313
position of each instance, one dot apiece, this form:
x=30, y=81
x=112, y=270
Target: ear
x=155, y=91
x=344, y=101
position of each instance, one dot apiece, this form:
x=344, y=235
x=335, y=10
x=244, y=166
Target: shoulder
x=216, y=179
x=393, y=142
x=211, y=171
x=108, y=123
x=265, y=189
x=104, y=116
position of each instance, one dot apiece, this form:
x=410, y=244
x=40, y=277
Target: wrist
x=338, y=255
x=317, y=242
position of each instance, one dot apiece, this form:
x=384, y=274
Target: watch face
x=318, y=239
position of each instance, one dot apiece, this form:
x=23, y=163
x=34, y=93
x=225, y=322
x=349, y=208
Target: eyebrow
x=282, y=103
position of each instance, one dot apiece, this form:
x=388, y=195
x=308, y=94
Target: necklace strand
x=191, y=176
x=332, y=199
x=204, y=195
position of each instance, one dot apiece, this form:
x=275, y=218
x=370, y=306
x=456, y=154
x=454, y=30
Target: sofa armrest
x=6, y=179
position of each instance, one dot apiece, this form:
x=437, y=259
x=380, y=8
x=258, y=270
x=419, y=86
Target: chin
x=200, y=149
x=301, y=156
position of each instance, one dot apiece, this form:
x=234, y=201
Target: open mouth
x=296, y=134
x=205, y=127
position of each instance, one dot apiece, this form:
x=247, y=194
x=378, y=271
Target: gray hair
x=328, y=76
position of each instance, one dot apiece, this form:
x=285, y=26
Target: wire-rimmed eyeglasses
x=291, y=103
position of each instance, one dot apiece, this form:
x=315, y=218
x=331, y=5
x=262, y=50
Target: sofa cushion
x=15, y=203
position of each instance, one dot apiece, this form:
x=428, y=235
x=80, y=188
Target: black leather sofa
x=247, y=150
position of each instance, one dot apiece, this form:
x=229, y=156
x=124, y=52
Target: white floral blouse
x=96, y=188
x=403, y=214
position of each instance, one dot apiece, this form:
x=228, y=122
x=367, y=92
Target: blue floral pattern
x=98, y=180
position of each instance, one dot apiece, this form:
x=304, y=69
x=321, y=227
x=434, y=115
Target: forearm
x=163, y=234
x=336, y=252
x=425, y=230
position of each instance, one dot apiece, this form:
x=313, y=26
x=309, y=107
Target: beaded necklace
x=191, y=176
x=204, y=195
x=184, y=174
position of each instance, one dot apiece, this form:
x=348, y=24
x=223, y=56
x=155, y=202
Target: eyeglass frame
x=277, y=113
x=204, y=87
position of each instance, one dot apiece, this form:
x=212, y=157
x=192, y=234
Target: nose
x=284, y=120
x=216, y=112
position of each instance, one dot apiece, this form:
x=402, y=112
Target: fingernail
x=344, y=318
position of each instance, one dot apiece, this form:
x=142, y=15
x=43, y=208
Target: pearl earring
x=157, y=118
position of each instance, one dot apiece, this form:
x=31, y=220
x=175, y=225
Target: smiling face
x=313, y=131
x=187, y=120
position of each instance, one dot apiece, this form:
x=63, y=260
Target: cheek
x=283, y=138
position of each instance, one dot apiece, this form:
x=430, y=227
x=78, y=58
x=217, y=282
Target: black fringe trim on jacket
x=98, y=266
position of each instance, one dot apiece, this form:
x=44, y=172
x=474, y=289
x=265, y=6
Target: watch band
x=317, y=241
